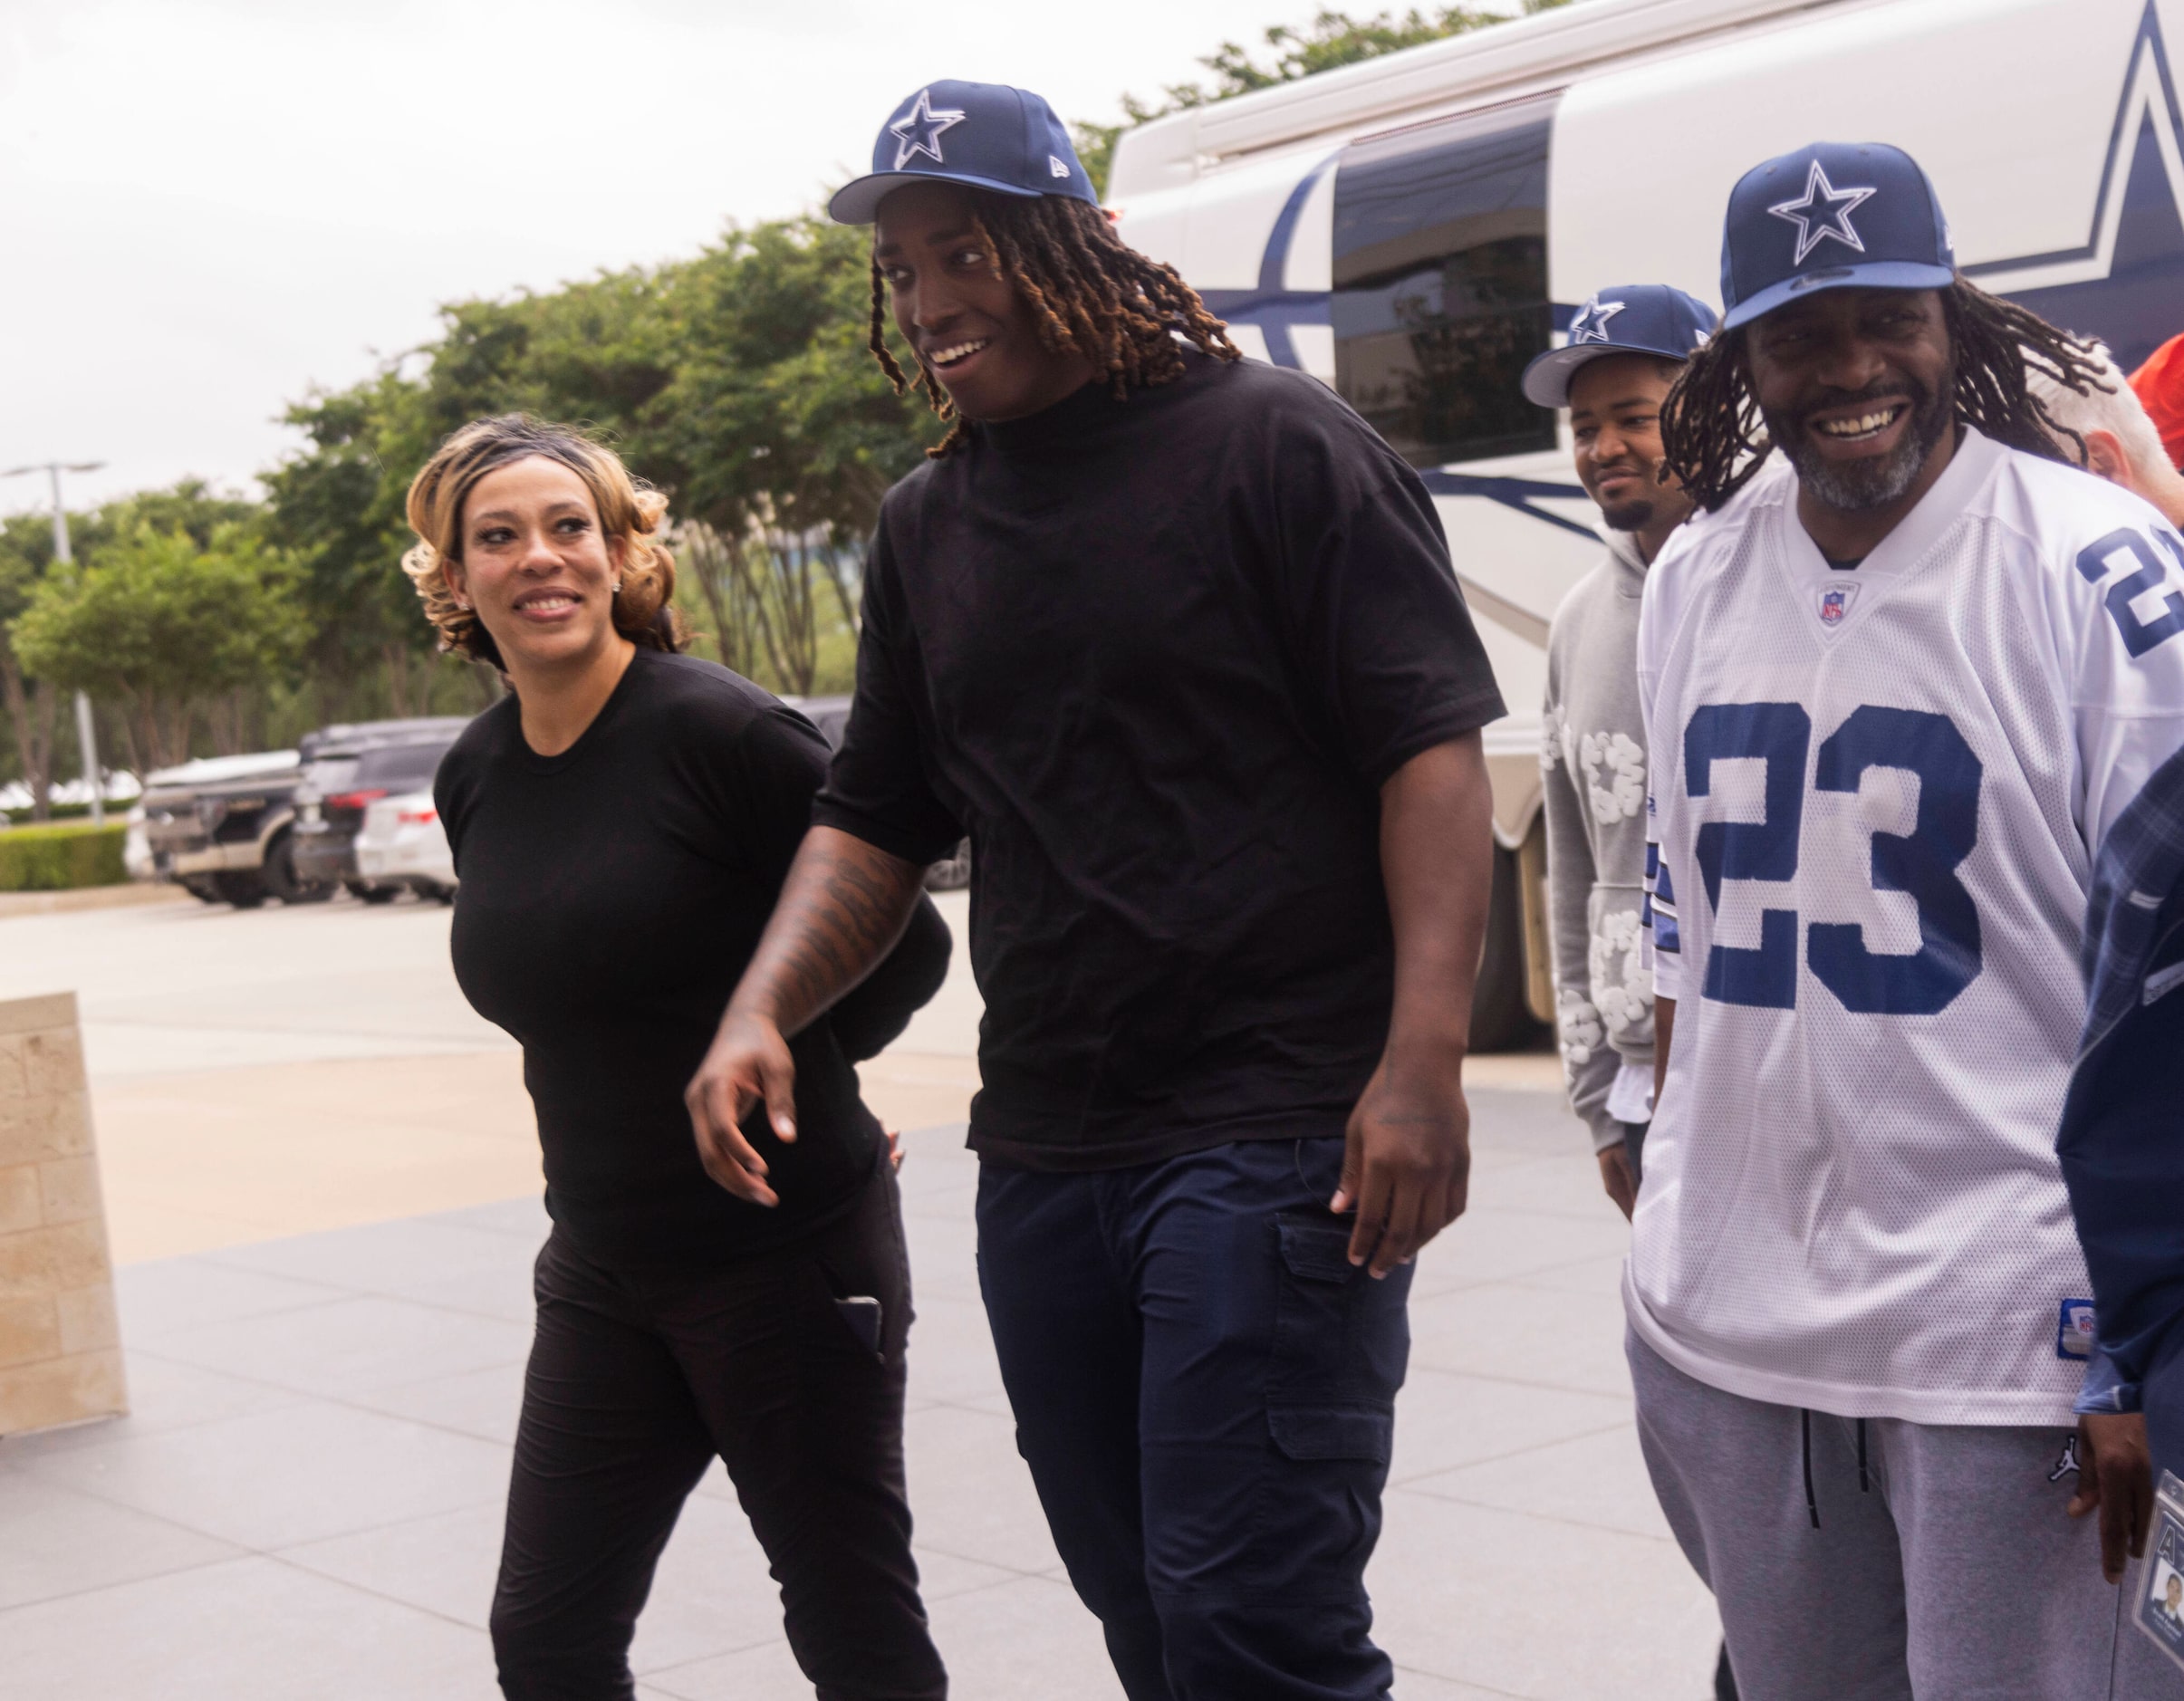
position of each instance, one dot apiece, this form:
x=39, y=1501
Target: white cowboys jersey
x=1876, y=796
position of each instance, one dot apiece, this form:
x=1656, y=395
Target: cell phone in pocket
x=861, y=1312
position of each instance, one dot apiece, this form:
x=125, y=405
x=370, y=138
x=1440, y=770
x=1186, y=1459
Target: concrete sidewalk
x=307, y=1500
x=320, y=1149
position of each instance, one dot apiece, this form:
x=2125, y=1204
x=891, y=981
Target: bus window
x=1440, y=282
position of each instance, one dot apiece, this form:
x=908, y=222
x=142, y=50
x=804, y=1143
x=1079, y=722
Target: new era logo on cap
x=979, y=135
x=1831, y=216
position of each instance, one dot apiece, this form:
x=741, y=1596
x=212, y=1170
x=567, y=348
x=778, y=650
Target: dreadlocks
x=1714, y=440
x=1091, y=293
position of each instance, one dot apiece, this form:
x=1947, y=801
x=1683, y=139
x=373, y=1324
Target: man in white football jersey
x=1893, y=703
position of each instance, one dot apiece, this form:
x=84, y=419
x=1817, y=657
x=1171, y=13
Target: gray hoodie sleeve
x=1589, y=1062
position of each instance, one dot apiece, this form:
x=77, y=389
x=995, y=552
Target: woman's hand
x=747, y=1062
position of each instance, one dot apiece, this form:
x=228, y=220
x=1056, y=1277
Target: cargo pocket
x=1331, y=1432
x=1341, y=1343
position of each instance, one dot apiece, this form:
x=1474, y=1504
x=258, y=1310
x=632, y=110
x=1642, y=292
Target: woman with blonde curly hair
x=620, y=825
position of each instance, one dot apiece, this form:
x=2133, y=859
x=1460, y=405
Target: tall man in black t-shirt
x=1174, y=639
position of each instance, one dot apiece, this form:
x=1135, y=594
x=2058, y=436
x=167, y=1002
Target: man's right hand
x=748, y=1062
x=2115, y=1476
x=843, y=906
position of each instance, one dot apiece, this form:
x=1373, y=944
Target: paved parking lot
x=306, y=1499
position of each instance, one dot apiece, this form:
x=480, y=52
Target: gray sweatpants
x=1951, y=1574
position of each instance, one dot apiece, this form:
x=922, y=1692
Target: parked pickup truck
x=218, y=827
x=225, y=827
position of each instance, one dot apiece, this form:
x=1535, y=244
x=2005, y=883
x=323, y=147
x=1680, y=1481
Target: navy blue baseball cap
x=1831, y=216
x=1630, y=319
x=982, y=135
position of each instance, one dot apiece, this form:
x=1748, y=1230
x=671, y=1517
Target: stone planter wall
x=60, y=1350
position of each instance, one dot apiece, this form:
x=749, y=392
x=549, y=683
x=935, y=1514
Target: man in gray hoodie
x=1626, y=347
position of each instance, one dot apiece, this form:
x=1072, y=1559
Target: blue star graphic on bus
x=2122, y=282
x=918, y=130
x=1825, y=212
x=1591, y=325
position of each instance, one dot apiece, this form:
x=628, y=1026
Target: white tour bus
x=1412, y=230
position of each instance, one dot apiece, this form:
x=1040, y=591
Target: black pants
x=1205, y=1390
x=638, y=1378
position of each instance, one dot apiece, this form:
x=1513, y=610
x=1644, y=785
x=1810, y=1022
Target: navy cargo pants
x=1205, y=1390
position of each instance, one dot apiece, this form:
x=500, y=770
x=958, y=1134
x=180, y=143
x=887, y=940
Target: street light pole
x=87, y=733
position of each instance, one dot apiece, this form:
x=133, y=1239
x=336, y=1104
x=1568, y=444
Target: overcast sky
x=214, y=205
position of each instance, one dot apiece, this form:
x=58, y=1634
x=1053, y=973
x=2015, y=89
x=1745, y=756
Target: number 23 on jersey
x=2139, y=600
x=1921, y=863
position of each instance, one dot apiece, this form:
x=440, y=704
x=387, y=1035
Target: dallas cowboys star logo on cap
x=1591, y=325
x=918, y=130
x=996, y=138
x=1825, y=212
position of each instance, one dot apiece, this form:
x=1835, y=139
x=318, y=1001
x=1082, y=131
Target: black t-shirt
x=611, y=897
x=1156, y=657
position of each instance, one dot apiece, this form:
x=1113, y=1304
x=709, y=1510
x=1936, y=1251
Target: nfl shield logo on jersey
x=1836, y=603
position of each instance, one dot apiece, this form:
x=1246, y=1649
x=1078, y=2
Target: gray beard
x=1860, y=486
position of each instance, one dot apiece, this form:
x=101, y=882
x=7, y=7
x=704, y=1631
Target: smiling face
x=970, y=327
x=537, y=568
x=1857, y=387
x=1615, y=425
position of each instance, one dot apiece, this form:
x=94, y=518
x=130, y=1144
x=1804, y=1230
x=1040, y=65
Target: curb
x=136, y=892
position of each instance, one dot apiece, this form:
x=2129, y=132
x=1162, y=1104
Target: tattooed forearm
x=842, y=909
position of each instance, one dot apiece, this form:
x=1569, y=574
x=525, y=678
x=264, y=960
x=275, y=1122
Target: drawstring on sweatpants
x=1812, y=1503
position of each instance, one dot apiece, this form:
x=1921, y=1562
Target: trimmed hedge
x=56, y=859
x=65, y=812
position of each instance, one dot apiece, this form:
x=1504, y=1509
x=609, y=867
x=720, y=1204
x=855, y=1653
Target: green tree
x=778, y=437
x=1285, y=53
x=336, y=509
x=192, y=507
x=738, y=381
x=26, y=556
x=163, y=626
x=590, y=353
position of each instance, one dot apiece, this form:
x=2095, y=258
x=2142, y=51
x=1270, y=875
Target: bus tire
x=1501, y=1018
